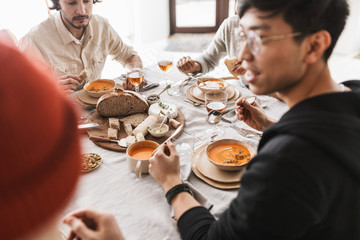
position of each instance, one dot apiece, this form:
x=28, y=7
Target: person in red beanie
x=40, y=152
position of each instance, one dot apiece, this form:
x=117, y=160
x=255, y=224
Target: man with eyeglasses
x=304, y=182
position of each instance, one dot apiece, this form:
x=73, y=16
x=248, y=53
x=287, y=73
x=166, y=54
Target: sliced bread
x=230, y=63
x=121, y=103
x=134, y=119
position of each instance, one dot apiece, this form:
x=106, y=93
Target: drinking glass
x=165, y=63
x=136, y=77
x=215, y=100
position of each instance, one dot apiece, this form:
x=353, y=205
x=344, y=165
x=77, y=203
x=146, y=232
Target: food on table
x=130, y=140
x=143, y=127
x=230, y=154
x=90, y=161
x=142, y=153
x=99, y=86
x=112, y=133
x=174, y=123
x=121, y=103
x=230, y=63
x=134, y=119
x=157, y=109
x=213, y=84
x=157, y=131
x=140, y=137
x=83, y=76
x=114, y=123
x=128, y=129
x=153, y=98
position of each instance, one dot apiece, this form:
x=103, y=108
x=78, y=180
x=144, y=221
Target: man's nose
x=245, y=52
x=81, y=8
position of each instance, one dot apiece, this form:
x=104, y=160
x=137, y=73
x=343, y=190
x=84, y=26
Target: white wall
x=141, y=21
x=152, y=21
x=349, y=41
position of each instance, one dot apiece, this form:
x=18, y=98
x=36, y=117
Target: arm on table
x=187, y=65
x=132, y=63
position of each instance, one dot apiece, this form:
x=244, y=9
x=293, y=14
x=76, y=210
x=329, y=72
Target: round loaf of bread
x=121, y=103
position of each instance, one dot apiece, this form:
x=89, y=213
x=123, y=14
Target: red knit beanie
x=40, y=151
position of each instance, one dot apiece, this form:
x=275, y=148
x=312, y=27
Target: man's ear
x=318, y=43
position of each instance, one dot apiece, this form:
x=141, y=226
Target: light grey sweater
x=223, y=44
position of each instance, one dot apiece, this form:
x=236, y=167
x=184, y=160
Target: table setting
x=136, y=200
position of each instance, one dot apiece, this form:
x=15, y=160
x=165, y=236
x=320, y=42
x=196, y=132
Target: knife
x=87, y=125
x=121, y=142
x=150, y=86
x=244, y=132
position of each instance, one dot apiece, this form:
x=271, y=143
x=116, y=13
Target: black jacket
x=304, y=182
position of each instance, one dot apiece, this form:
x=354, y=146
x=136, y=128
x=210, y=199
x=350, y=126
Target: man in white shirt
x=73, y=40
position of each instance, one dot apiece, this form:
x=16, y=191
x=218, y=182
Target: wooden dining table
x=139, y=204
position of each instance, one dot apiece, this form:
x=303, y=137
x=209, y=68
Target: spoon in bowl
x=156, y=97
x=215, y=116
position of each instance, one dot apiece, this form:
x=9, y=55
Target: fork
x=246, y=132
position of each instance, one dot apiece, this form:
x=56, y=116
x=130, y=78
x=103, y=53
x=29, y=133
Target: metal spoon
x=176, y=132
x=215, y=116
x=166, y=88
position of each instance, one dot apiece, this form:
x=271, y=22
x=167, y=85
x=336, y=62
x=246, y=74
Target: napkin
x=198, y=195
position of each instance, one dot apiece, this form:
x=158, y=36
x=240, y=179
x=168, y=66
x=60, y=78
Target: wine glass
x=136, y=77
x=165, y=62
x=215, y=101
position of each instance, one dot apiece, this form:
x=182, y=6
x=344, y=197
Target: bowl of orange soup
x=229, y=154
x=211, y=84
x=99, y=87
x=138, y=155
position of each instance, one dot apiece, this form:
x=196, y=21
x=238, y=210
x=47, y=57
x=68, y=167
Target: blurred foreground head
x=40, y=152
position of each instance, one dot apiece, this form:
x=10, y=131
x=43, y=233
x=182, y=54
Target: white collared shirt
x=52, y=41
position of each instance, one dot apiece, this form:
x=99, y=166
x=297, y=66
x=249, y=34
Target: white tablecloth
x=139, y=204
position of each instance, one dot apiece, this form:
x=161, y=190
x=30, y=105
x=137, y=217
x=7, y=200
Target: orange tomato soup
x=142, y=153
x=230, y=154
x=99, y=86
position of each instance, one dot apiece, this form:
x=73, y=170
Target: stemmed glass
x=165, y=62
x=215, y=100
x=136, y=77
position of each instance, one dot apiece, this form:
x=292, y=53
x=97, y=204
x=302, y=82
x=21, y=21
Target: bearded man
x=73, y=39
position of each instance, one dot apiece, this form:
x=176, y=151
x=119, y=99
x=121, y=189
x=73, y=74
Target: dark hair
x=56, y=4
x=306, y=16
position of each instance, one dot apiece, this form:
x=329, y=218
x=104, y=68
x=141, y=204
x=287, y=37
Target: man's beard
x=75, y=18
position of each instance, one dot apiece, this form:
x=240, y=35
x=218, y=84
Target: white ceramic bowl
x=139, y=166
x=99, y=87
x=152, y=98
x=229, y=166
x=155, y=132
x=211, y=84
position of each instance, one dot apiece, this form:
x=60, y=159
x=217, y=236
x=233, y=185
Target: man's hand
x=90, y=224
x=164, y=166
x=237, y=68
x=69, y=83
x=187, y=65
x=253, y=115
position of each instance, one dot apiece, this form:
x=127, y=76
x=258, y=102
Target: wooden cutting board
x=102, y=130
